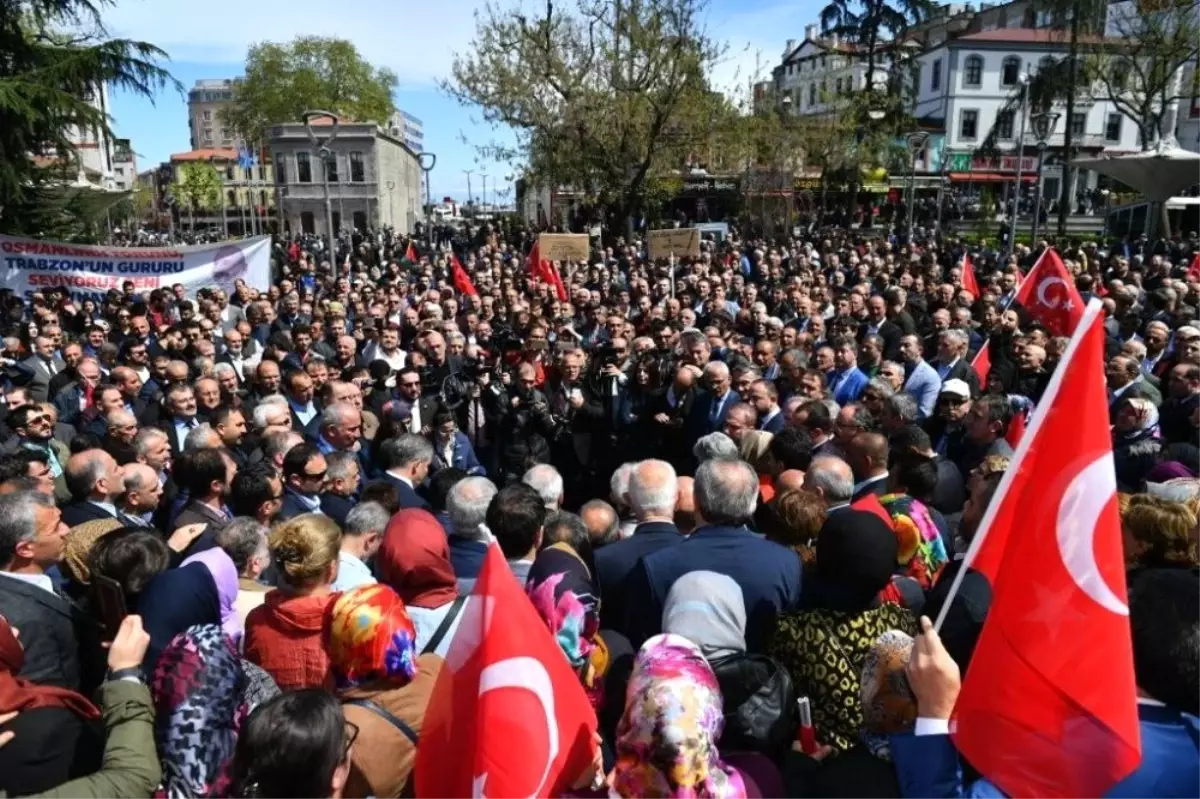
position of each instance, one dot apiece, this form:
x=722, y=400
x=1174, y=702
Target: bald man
x=142, y=495
x=789, y=480
x=867, y=454
x=96, y=482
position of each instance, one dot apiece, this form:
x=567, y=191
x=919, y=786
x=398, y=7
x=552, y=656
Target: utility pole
x=470, y=197
x=1065, y=200
x=484, y=175
x=323, y=147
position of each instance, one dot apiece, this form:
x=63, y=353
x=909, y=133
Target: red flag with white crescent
x=1193, y=271
x=462, y=281
x=1049, y=295
x=968, y=276
x=982, y=364
x=508, y=716
x=1049, y=704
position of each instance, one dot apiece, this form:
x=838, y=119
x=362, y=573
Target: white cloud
x=416, y=40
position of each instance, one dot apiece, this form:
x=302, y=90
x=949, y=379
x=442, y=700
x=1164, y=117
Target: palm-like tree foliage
x=56, y=54
x=873, y=25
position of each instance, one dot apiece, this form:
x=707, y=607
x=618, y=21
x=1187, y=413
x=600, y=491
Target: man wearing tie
x=181, y=408
x=233, y=355
x=711, y=407
x=42, y=366
x=408, y=388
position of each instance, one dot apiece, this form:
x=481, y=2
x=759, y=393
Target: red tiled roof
x=1028, y=36
x=207, y=154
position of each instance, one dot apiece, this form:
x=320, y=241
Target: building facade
x=374, y=179
x=816, y=71
x=124, y=165
x=247, y=198
x=408, y=129
x=205, y=102
x=94, y=149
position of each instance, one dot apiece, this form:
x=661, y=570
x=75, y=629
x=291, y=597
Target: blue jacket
x=616, y=562
x=409, y=498
x=925, y=385
x=851, y=386
x=768, y=574
x=928, y=765
x=466, y=558
x=699, y=424
x=463, y=456
x=772, y=425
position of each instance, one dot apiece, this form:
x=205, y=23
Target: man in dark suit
x=180, y=404
x=407, y=458
x=306, y=415
x=951, y=363
x=467, y=505
x=867, y=454
x=769, y=575
x=209, y=475
x=1124, y=377
x=96, y=482
x=235, y=356
x=653, y=490
x=72, y=354
x=304, y=471
x=711, y=405
x=72, y=401
x=765, y=399
x=32, y=540
x=342, y=479
x=878, y=324
x=42, y=366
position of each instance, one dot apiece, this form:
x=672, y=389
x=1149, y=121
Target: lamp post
x=323, y=148
x=942, y=180
x=470, y=196
x=484, y=176
x=1012, y=226
x=391, y=187
x=1043, y=128
x=427, y=161
x=916, y=144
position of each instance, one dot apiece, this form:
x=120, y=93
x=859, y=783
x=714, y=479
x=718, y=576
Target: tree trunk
x=1065, y=201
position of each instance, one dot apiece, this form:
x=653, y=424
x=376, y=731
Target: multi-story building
x=407, y=128
x=374, y=179
x=205, y=102
x=816, y=71
x=93, y=147
x=247, y=199
x=124, y=165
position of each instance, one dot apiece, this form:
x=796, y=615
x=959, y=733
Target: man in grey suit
x=42, y=366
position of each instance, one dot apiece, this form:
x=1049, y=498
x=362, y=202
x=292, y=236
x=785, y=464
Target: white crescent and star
x=1079, y=511
x=527, y=673
x=1045, y=284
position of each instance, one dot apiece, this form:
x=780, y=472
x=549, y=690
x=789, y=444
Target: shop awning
x=990, y=177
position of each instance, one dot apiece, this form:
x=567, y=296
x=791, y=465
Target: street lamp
x=391, y=187
x=1043, y=128
x=427, y=161
x=323, y=148
x=484, y=176
x=916, y=144
x=1012, y=226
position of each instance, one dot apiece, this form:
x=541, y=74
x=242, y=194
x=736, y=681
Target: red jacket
x=285, y=636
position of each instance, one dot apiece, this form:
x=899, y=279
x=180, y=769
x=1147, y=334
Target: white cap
x=957, y=387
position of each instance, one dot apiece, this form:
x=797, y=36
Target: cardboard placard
x=682, y=242
x=564, y=246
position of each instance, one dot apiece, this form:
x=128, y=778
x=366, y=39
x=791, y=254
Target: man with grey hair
x=899, y=411
x=715, y=446
x=769, y=575
x=653, y=492
x=96, y=482
x=466, y=506
x=603, y=525
x=342, y=478
x=951, y=362
x=564, y=527
x=201, y=437
x=711, y=406
x=407, y=458
x=618, y=490
x=32, y=540
x=362, y=535
x=832, y=480
x=271, y=415
x=547, y=481
x=244, y=540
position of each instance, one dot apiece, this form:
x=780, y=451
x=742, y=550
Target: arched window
x=973, y=72
x=1010, y=71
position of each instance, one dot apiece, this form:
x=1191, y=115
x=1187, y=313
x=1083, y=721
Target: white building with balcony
x=816, y=71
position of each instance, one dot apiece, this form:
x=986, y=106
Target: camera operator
x=524, y=425
x=578, y=413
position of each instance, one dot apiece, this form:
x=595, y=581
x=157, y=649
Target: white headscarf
x=708, y=609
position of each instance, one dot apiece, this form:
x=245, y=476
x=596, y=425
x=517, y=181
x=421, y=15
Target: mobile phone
x=110, y=605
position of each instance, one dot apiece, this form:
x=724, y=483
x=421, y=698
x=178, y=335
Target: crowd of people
x=239, y=529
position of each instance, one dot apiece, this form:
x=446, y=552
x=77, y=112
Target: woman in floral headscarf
x=667, y=739
x=198, y=687
x=383, y=684
x=921, y=532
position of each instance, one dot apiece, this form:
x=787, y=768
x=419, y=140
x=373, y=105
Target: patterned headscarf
x=371, y=638
x=921, y=550
x=79, y=543
x=667, y=738
x=889, y=705
x=560, y=588
x=198, y=710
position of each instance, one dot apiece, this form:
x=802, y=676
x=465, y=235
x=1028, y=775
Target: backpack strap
x=383, y=713
x=444, y=627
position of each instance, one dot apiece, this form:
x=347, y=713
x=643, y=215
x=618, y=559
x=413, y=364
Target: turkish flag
x=462, y=281
x=508, y=716
x=1049, y=705
x=546, y=272
x=968, y=277
x=1193, y=271
x=1048, y=293
x=982, y=364
x=410, y=253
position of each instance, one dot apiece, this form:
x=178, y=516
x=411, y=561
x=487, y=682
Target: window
x=812, y=94
x=231, y=198
x=229, y=173
x=331, y=168
x=306, y=221
x=360, y=221
x=358, y=172
x=1004, y=125
x=225, y=134
x=837, y=85
x=1010, y=71
x=973, y=74
x=1078, y=124
x=824, y=91
x=935, y=76
x=304, y=171
x=968, y=124
x=207, y=116
x=208, y=135
x=1112, y=128
x=280, y=168
x=249, y=173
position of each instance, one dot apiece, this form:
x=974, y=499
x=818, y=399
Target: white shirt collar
x=40, y=580
x=402, y=479
x=107, y=507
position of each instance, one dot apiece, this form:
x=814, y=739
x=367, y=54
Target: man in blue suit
x=407, y=458
x=922, y=381
x=846, y=381
x=726, y=493
x=765, y=399
x=712, y=405
x=1164, y=605
x=653, y=492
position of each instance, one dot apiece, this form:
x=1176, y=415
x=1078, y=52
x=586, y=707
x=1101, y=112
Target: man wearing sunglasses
x=304, y=480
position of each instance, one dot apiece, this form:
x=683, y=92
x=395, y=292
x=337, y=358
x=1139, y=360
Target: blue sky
x=418, y=41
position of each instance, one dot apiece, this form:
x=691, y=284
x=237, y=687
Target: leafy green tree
x=56, y=55
x=311, y=72
x=873, y=27
x=604, y=97
x=197, y=187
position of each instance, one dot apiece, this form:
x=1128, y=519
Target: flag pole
x=1032, y=271
x=1090, y=314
